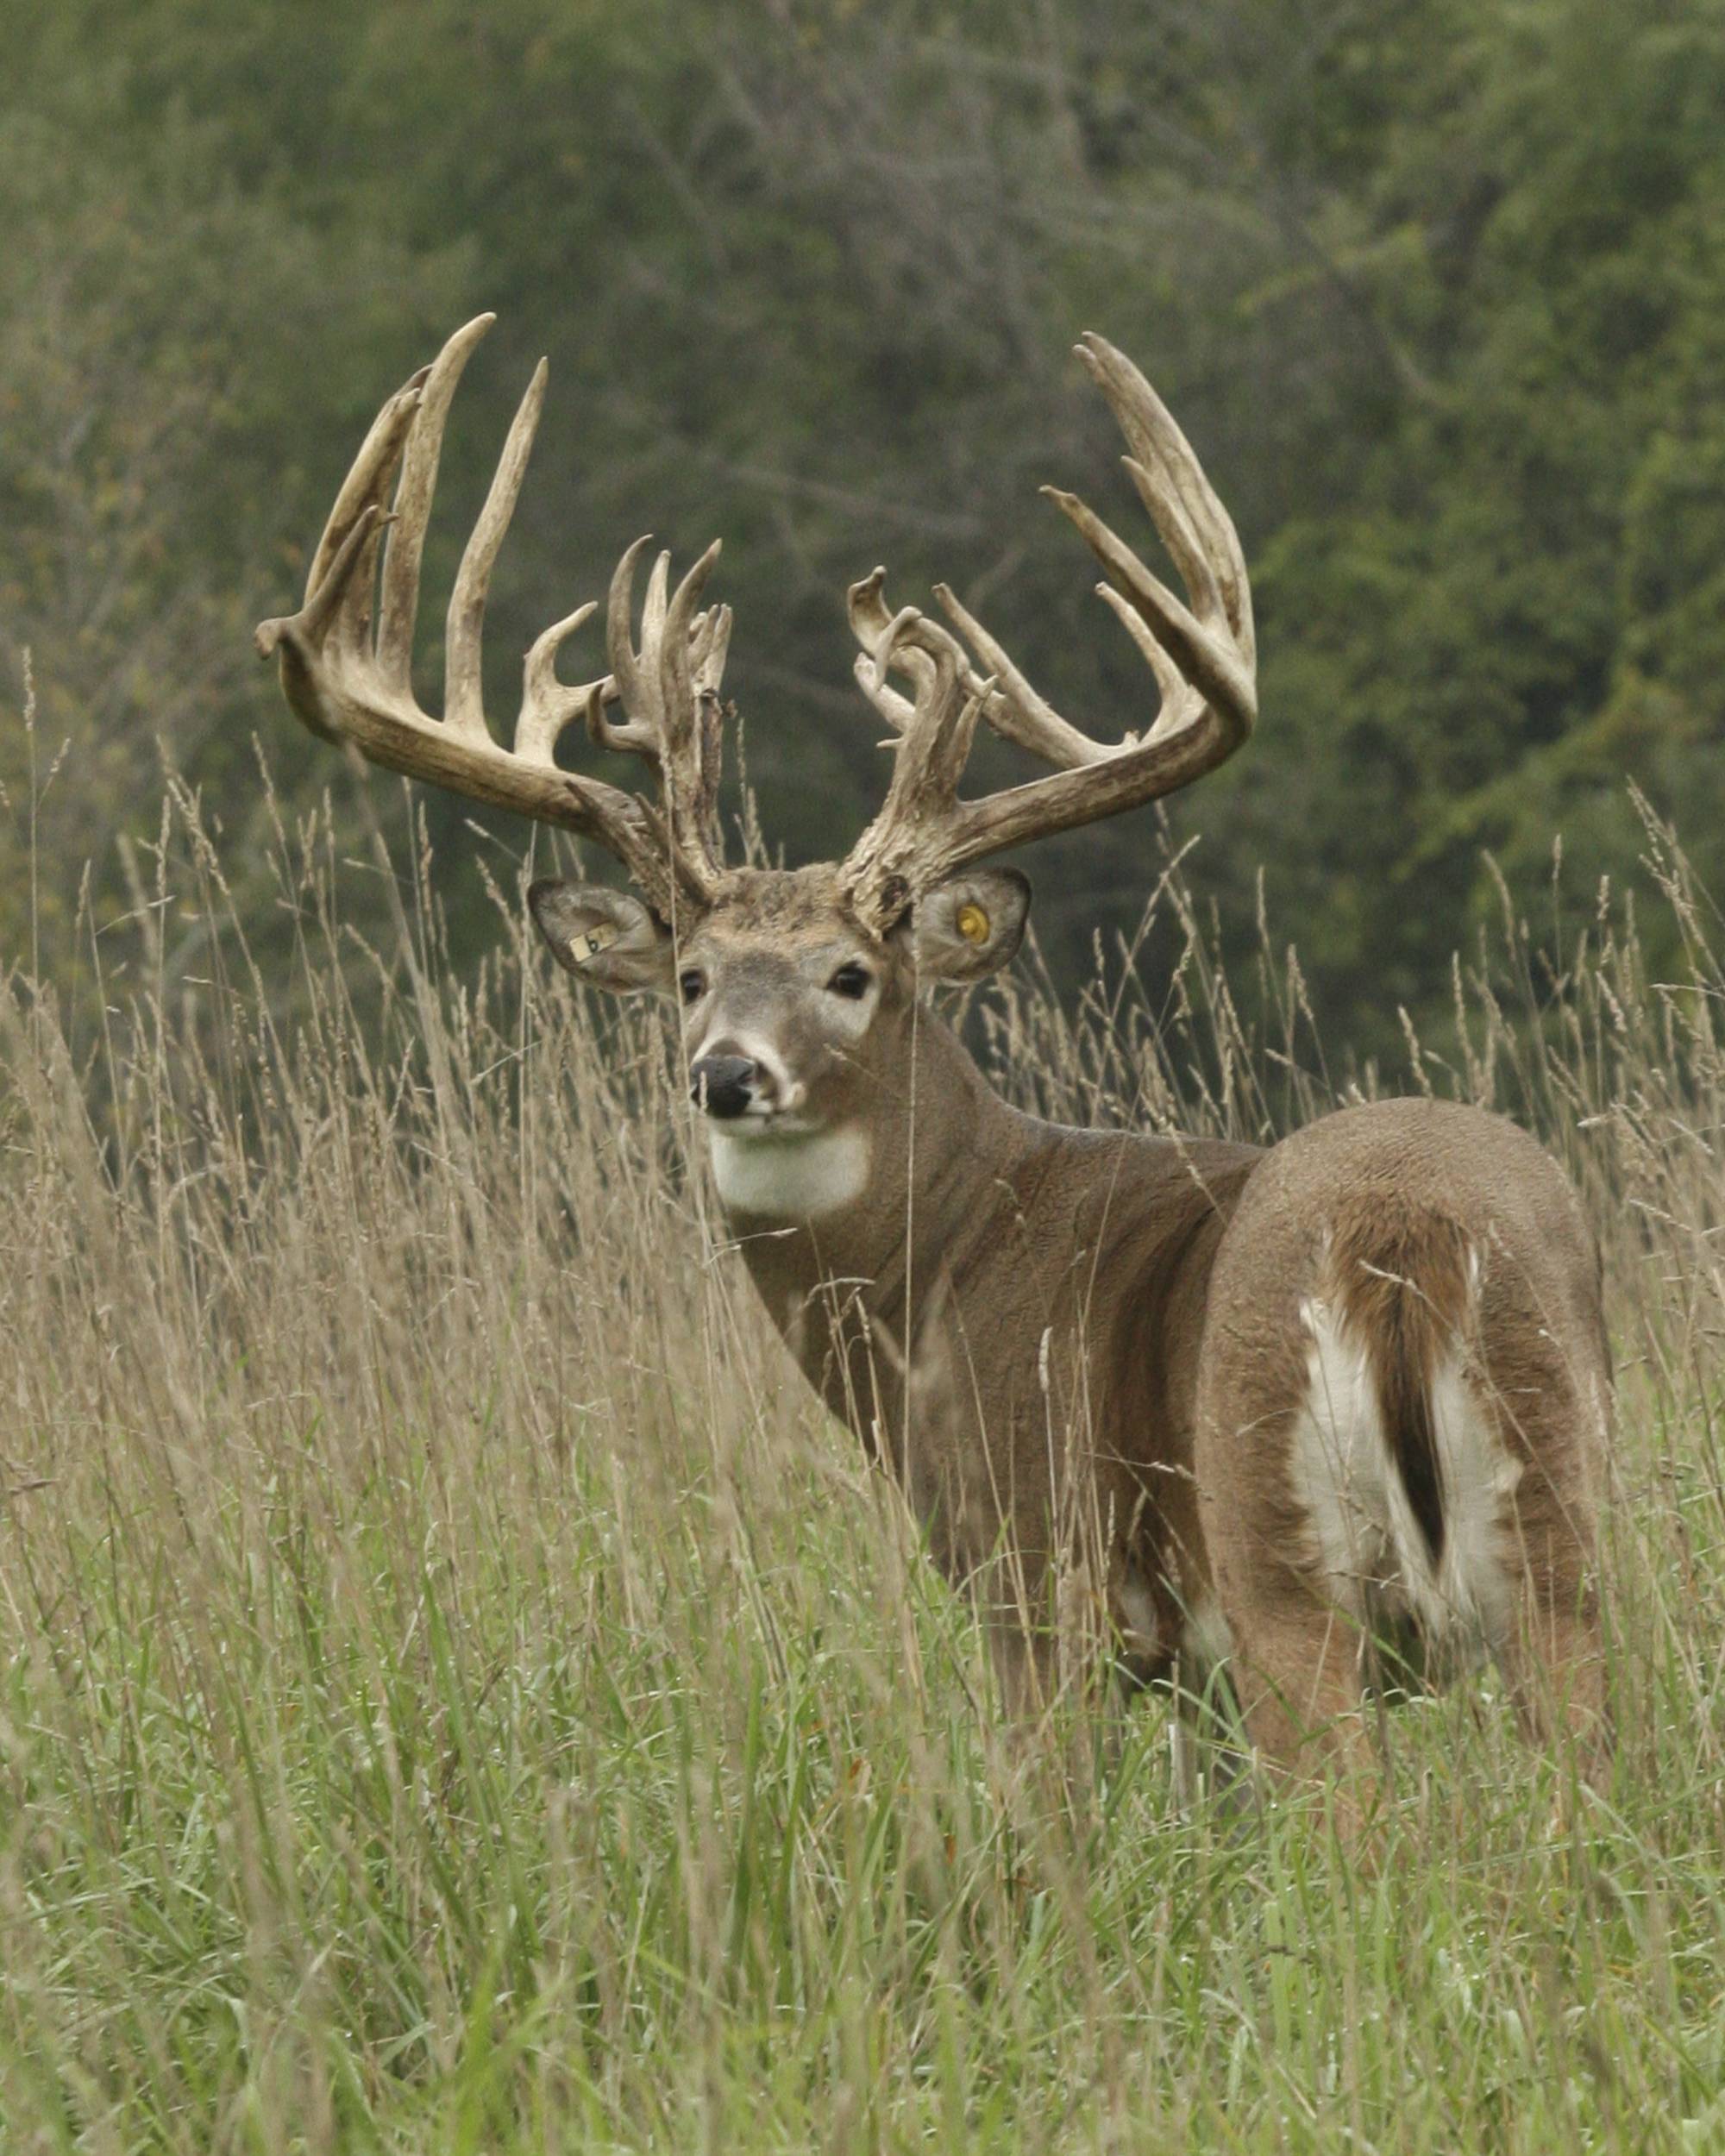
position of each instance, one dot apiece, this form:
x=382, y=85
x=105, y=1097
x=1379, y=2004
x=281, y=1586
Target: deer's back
x=1415, y=1175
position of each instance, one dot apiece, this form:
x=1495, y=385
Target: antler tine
x=1202, y=655
x=664, y=687
x=904, y=848
x=638, y=735
x=665, y=636
x=348, y=683
x=464, y=699
x=1177, y=701
x=1015, y=711
x=547, y=706
x=658, y=598
x=338, y=587
x=1018, y=712
x=1210, y=664
x=320, y=608
x=369, y=478
x=619, y=619
x=400, y=603
x=694, y=732
x=1194, y=527
x=877, y=628
x=936, y=746
x=711, y=648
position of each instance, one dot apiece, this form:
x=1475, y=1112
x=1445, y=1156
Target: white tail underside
x=1366, y=1539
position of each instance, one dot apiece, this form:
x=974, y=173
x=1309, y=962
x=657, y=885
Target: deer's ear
x=605, y=938
x=970, y=925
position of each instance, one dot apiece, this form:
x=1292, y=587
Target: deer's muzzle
x=724, y=1085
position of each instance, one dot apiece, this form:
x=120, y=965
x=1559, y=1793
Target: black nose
x=723, y=1085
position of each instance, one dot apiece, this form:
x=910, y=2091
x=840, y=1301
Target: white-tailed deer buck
x=1356, y=1382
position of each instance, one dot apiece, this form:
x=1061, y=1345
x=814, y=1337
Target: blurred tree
x=1438, y=291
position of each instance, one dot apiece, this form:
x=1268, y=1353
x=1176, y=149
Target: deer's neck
x=848, y=1235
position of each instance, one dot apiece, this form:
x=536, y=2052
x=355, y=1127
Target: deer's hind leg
x=1305, y=1514
x=1551, y=1649
x=1299, y=1675
x=1297, y=1635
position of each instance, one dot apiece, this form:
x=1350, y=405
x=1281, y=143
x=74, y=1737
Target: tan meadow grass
x=456, y=1693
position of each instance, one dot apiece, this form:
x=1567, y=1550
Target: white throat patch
x=799, y=1177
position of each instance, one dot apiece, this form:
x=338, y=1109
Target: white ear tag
x=582, y=947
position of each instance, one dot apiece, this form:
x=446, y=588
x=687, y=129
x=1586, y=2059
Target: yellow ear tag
x=973, y=923
x=582, y=947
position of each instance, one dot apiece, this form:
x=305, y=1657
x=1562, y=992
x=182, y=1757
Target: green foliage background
x=1439, y=292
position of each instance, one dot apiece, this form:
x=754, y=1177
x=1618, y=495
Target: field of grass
x=456, y=1694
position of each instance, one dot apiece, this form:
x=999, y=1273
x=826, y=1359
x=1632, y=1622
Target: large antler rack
x=1202, y=656
x=349, y=678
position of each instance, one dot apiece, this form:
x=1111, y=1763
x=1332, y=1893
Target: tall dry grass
x=456, y=1693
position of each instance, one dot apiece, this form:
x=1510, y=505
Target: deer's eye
x=851, y=981
x=691, y=984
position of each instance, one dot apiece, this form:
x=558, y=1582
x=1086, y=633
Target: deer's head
x=797, y=988
x=797, y=1012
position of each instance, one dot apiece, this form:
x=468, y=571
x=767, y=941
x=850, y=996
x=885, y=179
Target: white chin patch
x=799, y=1177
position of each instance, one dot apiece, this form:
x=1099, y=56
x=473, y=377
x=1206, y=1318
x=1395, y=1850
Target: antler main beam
x=1202, y=656
x=350, y=679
